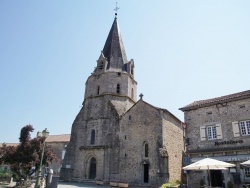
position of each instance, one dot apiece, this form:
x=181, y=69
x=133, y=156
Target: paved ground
x=76, y=184
x=70, y=185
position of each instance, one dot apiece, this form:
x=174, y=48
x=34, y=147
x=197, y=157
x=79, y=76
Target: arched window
x=132, y=70
x=132, y=93
x=98, y=90
x=92, y=141
x=118, y=88
x=101, y=66
x=146, y=150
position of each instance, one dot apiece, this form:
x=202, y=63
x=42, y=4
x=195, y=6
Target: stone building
x=58, y=143
x=114, y=137
x=219, y=128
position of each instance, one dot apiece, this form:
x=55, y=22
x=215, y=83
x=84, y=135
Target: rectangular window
x=209, y=113
x=245, y=127
x=242, y=106
x=92, y=141
x=247, y=172
x=211, y=133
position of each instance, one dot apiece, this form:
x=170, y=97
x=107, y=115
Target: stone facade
x=115, y=138
x=219, y=128
x=58, y=143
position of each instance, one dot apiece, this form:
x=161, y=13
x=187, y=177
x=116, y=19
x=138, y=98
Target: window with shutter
x=203, y=133
x=236, y=130
x=245, y=127
x=218, y=131
x=211, y=133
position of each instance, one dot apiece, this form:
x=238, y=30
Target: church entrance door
x=92, y=168
x=146, y=173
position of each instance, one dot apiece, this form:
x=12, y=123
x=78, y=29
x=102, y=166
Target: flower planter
x=113, y=184
x=99, y=182
x=123, y=184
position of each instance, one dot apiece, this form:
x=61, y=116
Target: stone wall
x=140, y=125
x=144, y=124
x=217, y=114
x=108, y=84
x=59, y=149
x=173, y=143
x=100, y=114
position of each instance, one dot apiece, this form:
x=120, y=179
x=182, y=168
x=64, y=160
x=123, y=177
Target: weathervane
x=116, y=9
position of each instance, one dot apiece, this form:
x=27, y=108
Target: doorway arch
x=92, y=168
x=145, y=165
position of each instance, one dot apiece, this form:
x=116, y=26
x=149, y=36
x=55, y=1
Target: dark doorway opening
x=146, y=173
x=92, y=168
x=216, y=178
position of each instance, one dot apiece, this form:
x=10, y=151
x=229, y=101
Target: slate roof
x=58, y=138
x=217, y=100
x=114, y=49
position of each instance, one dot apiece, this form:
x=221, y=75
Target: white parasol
x=208, y=164
x=246, y=164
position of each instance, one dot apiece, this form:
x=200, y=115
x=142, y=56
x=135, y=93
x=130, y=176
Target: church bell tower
x=114, y=74
x=110, y=90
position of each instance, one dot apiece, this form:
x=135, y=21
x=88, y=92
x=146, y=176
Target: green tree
x=24, y=159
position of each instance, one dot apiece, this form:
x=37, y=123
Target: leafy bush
x=5, y=175
x=171, y=184
x=15, y=177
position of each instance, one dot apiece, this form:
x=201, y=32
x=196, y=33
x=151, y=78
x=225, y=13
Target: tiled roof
x=50, y=138
x=9, y=144
x=58, y=138
x=217, y=100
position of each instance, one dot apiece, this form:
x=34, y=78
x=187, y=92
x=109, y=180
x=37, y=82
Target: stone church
x=116, y=137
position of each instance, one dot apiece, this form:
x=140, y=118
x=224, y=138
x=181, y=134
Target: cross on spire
x=116, y=9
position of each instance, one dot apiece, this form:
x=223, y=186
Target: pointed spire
x=114, y=49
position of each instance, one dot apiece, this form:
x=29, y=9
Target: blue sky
x=184, y=50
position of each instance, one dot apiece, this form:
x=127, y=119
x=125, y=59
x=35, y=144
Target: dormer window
x=101, y=66
x=118, y=88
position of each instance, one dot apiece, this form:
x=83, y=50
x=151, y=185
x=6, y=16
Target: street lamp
x=44, y=134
